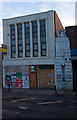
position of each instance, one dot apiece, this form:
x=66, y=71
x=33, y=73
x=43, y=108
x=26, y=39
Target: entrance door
x=33, y=80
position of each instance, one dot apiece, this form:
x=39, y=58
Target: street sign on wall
x=4, y=49
x=32, y=68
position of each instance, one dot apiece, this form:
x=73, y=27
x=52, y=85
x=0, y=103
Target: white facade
x=49, y=59
x=50, y=40
x=63, y=62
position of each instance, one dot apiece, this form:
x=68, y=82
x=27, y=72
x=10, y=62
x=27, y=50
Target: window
x=27, y=47
x=13, y=41
x=43, y=52
x=13, y=55
x=35, y=53
x=43, y=37
x=20, y=48
x=35, y=39
x=20, y=43
x=27, y=54
x=26, y=25
x=63, y=73
x=43, y=46
x=13, y=37
x=13, y=48
x=35, y=47
x=27, y=40
x=20, y=31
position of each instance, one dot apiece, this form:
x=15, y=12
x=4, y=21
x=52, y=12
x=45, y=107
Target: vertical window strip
x=13, y=41
x=20, y=41
x=35, y=39
x=43, y=37
x=27, y=39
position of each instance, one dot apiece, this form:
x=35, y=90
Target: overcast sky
x=12, y=8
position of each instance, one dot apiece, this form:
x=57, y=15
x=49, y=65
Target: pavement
x=5, y=91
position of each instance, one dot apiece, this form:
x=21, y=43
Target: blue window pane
x=43, y=28
x=12, y=42
x=27, y=25
x=27, y=47
x=27, y=31
x=20, y=54
x=20, y=48
x=27, y=36
x=43, y=34
x=43, y=46
x=34, y=30
x=35, y=54
x=34, y=23
x=19, y=36
x=42, y=22
x=20, y=31
x=34, y=35
x=12, y=27
x=35, y=47
x=13, y=54
x=28, y=54
x=27, y=41
x=13, y=48
x=35, y=40
x=19, y=26
x=43, y=39
x=20, y=41
x=43, y=52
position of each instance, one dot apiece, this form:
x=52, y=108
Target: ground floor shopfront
x=29, y=76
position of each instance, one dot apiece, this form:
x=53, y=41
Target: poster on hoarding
x=17, y=79
x=7, y=80
x=25, y=79
x=19, y=82
x=13, y=80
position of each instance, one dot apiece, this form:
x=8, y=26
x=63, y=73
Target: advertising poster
x=7, y=80
x=25, y=79
x=19, y=82
x=17, y=79
x=13, y=80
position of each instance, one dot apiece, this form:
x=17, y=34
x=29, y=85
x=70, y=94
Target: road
x=31, y=104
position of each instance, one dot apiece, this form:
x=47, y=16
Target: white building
x=31, y=46
x=63, y=62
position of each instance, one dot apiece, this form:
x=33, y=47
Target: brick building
x=71, y=32
x=30, y=59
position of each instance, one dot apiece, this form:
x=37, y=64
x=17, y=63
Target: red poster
x=19, y=80
x=19, y=85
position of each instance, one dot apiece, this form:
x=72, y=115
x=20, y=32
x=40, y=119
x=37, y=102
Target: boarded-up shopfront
x=33, y=76
x=18, y=76
x=46, y=76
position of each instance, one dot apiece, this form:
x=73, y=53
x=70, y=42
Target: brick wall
x=71, y=32
x=57, y=23
x=17, y=68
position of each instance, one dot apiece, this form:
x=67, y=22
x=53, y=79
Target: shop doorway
x=33, y=77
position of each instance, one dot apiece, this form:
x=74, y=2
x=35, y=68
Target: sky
x=13, y=8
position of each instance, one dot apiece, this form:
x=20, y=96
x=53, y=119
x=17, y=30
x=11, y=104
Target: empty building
x=31, y=42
